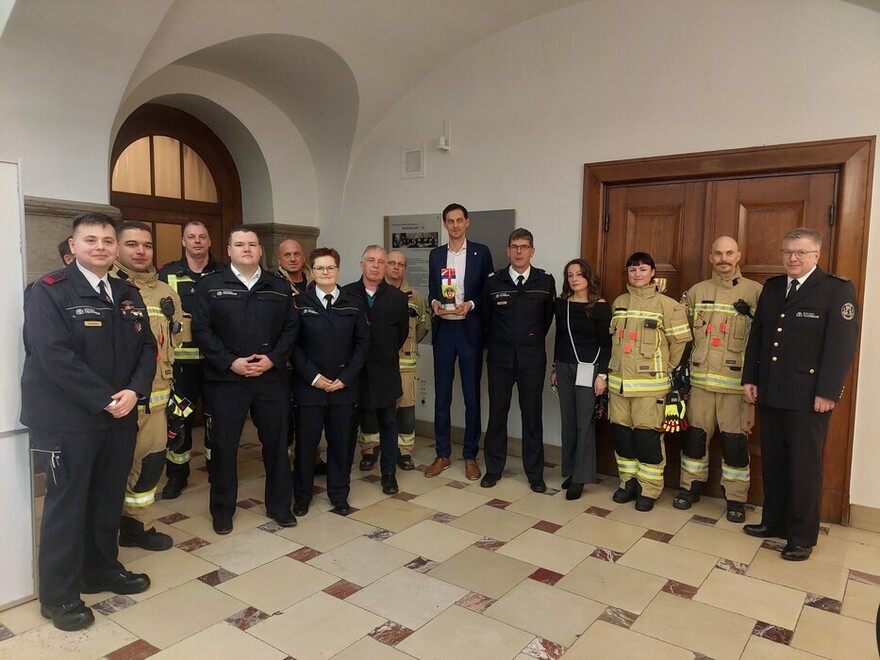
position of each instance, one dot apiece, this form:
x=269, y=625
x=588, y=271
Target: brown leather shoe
x=440, y=463
x=471, y=469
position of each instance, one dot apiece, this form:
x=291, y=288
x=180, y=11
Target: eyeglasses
x=519, y=248
x=800, y=254
x=324, y=269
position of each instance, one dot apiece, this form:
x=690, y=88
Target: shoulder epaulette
x=410, y=294
x=54, y=278
x=493, y=274
x=540, y=270
x=840, y=277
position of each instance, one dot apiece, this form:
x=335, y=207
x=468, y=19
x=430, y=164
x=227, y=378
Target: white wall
x=609, y=80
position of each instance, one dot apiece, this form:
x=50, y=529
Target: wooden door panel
x=676, y=224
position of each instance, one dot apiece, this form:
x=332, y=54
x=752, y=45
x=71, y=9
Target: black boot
x=133, y=535
x=686, y=498
x=173, y=487
x=628, y=493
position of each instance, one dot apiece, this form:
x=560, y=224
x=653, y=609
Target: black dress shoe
x=574, y=491
x=172, y=489
x=566, y=483
x=320, y=467
x=70, y=616
x=538, y=486
x=762, y=531
x=405, y=462
x=124, y=583
x=285, y=519
x=148, y=539
x=300, y=509
x=796, y=552
x=342, y=509
x=389, y=484
x=644, y=503
x=489, y=480
x=222, y=526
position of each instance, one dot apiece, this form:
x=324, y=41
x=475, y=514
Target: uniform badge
x=848, y=311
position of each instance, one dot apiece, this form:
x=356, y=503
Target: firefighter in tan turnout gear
x=720, y=310
x=170, y=328
x=649, y=332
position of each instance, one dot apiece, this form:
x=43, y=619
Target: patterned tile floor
x=446, y=569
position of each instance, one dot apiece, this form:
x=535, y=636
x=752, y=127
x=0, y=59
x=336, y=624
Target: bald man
x=721, y=311
x=292, y=265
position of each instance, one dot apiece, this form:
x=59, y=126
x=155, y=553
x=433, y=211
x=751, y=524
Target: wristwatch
x=603, y=376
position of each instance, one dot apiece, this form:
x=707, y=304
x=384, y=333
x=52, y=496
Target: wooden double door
x=676, y=223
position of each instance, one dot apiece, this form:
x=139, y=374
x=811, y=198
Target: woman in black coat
x=583, y=347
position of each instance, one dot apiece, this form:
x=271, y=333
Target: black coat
x=389, y=328
x=230, y=322
x=80, y=350
x=517, y=320
x=332, y=342
x=802, y=347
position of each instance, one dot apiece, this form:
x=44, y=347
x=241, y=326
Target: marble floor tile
x=602, y=532
x=861, y=601
x=853, y=534
x=755, y=599
x=669, y=561
x=711, y=507
x=546, y=611
x=193, y=502
x=720, y=635
x=849, y=554
x=759, y=648
x=609, y=642
x=291, y=581
x=317, y=627
x=433, y=540
x=368, y=648
x=362, y=560
x=661, y=519
x=22, y=618
x=459, y=633
x=415, y=483
x=506, y=489
x=554, y=508
x=810, y=576
x=242, y=552
x=487, y=573
x=619, y=586
x=451, y=500
x=556, y=553
x=48, y=643
x=325, y=531
x=499, y=524
x=718, y=542
x=407, y=597
x=167, y=570
x=220, y=641
x=393, y=515
x=834, y=636
x=364, y=494
x=178, y=613
x=202, y=525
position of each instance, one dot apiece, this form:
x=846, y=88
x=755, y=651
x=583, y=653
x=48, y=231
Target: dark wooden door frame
x=853, y=158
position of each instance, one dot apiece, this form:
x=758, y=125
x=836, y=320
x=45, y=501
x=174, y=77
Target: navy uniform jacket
x=230, y=322
x=80, y=350
x=388, y=319
x=802, y=347
x=332, y=342
x=517, y=320
x=478, y=266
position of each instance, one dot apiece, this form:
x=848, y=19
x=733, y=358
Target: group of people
x=307, y=358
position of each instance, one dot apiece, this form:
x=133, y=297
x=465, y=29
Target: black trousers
x=189, y=379
x=384, y=422
x=791, y=457
x=227, y=405
x=85, y=489
x=530, y=385
x=335, y=421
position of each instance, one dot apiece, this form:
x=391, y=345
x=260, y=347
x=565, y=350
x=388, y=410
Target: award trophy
x=447, y=291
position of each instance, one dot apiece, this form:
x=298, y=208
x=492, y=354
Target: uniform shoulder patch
x=840, y=277
x=493, y=274
x=848, y=311
x=54, y=278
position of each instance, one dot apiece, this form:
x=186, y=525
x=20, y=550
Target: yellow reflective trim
x=160, y=397
x=615, y=383
x=181, y=459
x=626, y=465
x=734, y=474
x=715, y=380
x=140, y=500
x=207, y=453
x=721, y=308
x=683, y=330
x=406, y=439
x=650, y=472
x=694, y=466
x=636, y=314
x=187, y=353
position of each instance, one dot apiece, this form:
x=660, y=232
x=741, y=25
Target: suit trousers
x=335, y=421
x=530, y=385
x=451, y=342
x=84, y=493
x=578, y=428
x=228, y=403
x=791, y=452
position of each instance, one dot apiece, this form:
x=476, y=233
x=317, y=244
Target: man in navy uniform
x=90, y=356
x=245, y=325
x=800, y=349
x=189, y=372
x=457, y=272
x=518, y=311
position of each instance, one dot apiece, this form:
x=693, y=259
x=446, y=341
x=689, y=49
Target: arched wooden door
x=168, y=169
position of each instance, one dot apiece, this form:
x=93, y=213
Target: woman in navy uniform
x=90, y=355
x=327, y=360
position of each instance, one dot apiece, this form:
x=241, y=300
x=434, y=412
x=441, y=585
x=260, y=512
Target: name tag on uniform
x=93, y=324
x=308, y=311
